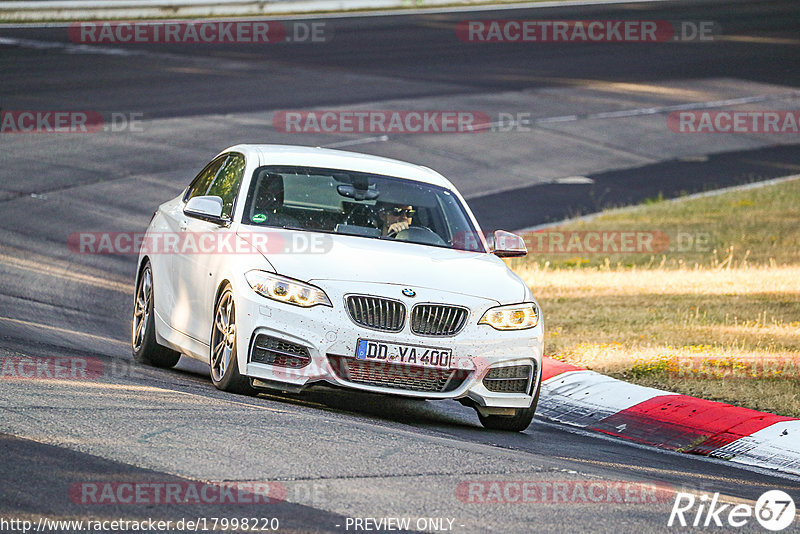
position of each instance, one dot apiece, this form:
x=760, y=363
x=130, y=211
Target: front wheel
x=512, y=423
x=146, y=349
x=224, y=364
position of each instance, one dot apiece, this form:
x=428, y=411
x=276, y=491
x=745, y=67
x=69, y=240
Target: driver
x=394, y=217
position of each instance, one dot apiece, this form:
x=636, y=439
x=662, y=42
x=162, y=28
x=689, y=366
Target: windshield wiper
x=298, y=229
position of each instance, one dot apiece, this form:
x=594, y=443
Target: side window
x=227, y=181
x=200, y=184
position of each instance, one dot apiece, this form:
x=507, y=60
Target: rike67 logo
x=775, y=510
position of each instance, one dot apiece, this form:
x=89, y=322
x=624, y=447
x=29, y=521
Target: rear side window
x=222, y=178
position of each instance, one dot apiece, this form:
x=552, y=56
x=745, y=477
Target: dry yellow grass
x=727, y=331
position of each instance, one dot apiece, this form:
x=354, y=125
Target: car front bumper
x=330, y=337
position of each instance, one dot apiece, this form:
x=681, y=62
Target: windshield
x=359, y=204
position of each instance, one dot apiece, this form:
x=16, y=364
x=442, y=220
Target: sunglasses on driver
x=397, y=212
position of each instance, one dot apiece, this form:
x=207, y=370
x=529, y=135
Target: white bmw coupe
x=283, y=267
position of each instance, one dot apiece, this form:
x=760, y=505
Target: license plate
x=435, y=358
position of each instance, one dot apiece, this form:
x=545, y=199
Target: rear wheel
x=512, y=423
x=224, y=364
x=146, y=349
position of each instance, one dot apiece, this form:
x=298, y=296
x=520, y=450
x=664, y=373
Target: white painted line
x=563, y=118
x=70, y=48
x=316, y=9
x=688, y=106
x=508, y=126
x=66, y=331
x=398, y=6
x=570, y=180
x=692, y=106
x=693, y=159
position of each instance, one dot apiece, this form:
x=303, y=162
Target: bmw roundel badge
x=409, y=292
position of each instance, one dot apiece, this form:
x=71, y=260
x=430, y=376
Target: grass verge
x=715, y=315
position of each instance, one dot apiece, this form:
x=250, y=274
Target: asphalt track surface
x=338, y=454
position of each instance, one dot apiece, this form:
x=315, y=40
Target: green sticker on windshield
x=258, y=217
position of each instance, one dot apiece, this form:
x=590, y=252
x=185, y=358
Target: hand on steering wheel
x=396, y=228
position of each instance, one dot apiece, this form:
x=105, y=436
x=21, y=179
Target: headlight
x=513, y=317
x=284, y=289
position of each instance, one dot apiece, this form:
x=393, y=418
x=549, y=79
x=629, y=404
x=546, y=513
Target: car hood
x=311, y=256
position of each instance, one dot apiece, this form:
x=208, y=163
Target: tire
x=512, y=423
x=223, y=354
x=146, y=349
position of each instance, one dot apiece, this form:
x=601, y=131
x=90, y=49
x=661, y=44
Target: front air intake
x=510, y=379
x=278, y=352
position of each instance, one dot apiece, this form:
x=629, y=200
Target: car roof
x=339, y=159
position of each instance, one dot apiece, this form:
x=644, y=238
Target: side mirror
x=208, y=208
x=508, y=245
